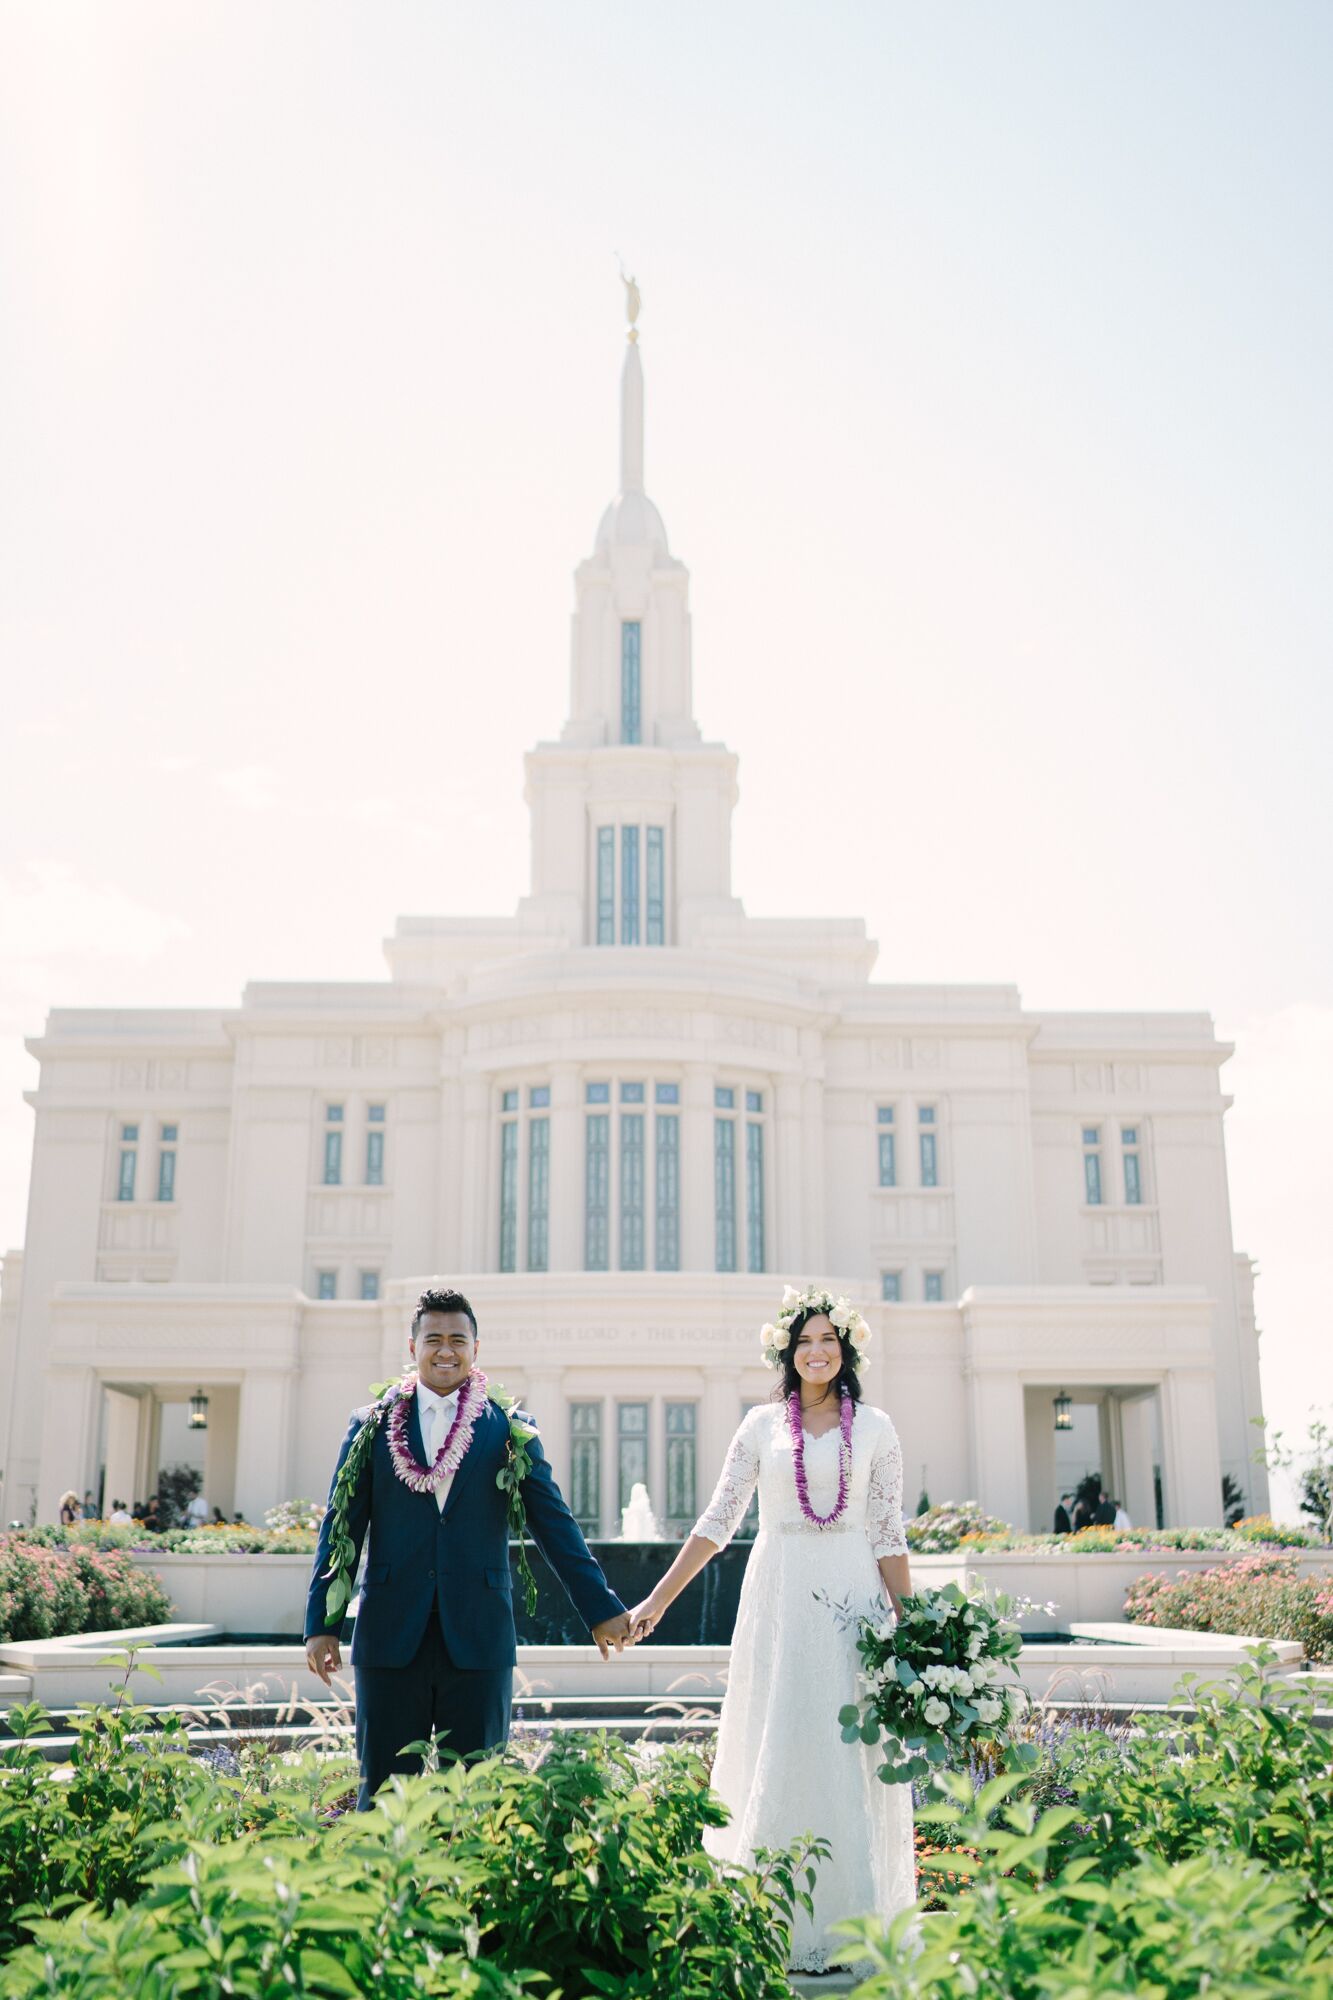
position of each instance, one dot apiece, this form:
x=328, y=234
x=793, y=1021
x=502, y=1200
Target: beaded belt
x=814, y=1528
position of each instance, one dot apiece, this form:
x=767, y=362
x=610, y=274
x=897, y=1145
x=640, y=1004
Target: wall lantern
x=1064, y=1412
x=198, y=1420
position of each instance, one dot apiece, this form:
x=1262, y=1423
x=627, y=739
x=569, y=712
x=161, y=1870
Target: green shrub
x=1261, y=1595
x=149, y=1867
x=47, y=1593
x=1172, y=1931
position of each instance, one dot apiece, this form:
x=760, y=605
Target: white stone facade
x=631, y=988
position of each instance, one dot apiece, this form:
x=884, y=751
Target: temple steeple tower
x=631, y=810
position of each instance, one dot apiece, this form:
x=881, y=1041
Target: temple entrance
x=1114, y=1430
x=145, y=1433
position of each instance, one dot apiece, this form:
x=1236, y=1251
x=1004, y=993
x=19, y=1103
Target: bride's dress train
x=781, y=1765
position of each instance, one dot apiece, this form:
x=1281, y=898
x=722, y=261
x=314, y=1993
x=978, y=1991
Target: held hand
x=323, y=1655
x=613, y=1632
x=644, y=1618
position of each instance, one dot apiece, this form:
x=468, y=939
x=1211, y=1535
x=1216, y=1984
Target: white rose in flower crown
x=936, y=1712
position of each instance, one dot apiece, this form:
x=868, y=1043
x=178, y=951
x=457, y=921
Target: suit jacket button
x=431, y=1574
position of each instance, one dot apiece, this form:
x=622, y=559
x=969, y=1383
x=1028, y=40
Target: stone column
x=263, y=1440
x=69, y=1436
x=812, y=1176
x=718, y=1417
x=544, y=1395
x=997, y=1452
x=124, y=1414
x=479, y=1251
x=1191, y=1463
x=1136, y=1452
x=1039, y=1418
x=788, y=1252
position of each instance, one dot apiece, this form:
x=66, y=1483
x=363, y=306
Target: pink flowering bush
x=47, y=1593
x=1263, y=1595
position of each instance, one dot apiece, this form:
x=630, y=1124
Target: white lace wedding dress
x=781, y=1764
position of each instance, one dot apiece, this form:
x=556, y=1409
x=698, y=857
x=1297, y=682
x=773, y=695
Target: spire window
x=631, y=681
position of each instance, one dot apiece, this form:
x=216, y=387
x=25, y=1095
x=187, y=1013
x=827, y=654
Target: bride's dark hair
x=847, y=1377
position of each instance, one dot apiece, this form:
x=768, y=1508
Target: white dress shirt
x=437, y=1414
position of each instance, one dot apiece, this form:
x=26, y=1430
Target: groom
x=434, y=1641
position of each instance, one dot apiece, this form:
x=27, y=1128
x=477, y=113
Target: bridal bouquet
x=943, y=1674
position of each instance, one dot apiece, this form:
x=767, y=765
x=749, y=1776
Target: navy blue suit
x=434, y=1642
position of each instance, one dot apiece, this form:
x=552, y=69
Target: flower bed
x=961, y=1525
x=49, y=1593
x=1261, y=1595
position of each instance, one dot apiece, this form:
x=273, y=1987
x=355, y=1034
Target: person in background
x=238, y=1520
x=138, y=1510
x=69, y=1508
x=1103, y=1514
x=1122, y=1519
x=152, y=1514
x=196, y=1514
x=1082, y=1515
x=1063, y=1523
x=89, y=1507
x=219, y=1518
x=120, y=1515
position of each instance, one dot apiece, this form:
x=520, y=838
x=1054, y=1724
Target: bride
x=829, y=1472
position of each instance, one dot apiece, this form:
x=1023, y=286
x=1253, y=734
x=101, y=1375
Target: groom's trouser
x=468, y=1709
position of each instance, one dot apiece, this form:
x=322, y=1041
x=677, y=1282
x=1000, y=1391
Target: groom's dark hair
x=441, y=1299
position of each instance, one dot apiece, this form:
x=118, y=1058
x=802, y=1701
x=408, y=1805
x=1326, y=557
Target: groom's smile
x=444, y=1348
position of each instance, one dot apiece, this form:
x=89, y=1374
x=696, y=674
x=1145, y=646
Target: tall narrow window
x=585, y=1466
x=891, y=1287
x=888, y=1147
x=666, y=1132
x=597, y=1182
x=1129, y=1143
x=754, y=1183
x=632, y=1453
x=629, y=885
x=166, y=1163
x=724, y=1180
x=539, y=1183
x=631, y=681
x=631, y=1191
x=326, y=1284
x=129, y=1162
x=1092, y=1165
x=929, y=1155
x=375, y=1145
x=681, y=1425
x=655, y=869
x=370, y=1284
x=934, y=1287
x=509, y=1191
x=606, y=885
x=333, y=1145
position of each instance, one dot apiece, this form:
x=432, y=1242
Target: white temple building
x=620, y=1119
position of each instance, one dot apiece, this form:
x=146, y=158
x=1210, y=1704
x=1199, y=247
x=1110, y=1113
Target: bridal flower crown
x=844, y=1315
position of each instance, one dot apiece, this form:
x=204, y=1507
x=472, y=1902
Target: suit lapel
x=481, y=1438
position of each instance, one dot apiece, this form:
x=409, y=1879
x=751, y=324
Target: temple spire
x=631, y=395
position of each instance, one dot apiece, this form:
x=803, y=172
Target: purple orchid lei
x=429, y=1478
x=797, y=1429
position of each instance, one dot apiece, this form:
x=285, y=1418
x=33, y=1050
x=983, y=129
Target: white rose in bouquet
x=936, y=1711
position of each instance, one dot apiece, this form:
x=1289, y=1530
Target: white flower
x=963, y=1683
x=936, y=1712
x=886, y=1628
x=790, y=1297
x=990, y=1708
x=974, y=1645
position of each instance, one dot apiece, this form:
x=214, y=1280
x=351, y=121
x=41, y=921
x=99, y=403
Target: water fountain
x=638, y=1523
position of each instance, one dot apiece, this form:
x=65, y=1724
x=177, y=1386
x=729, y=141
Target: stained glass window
x=681, y=1425
x=629, y=885
x=327, y=1284
x=597, y=1193
x=934, y=1287
x=929, y=1156
x=631, y=677
x=606, y=885
x=585, y=1466
x=539, y=1192
x=754, y=1197
x=891, y=1286
x=667, y=1189
x=631, y=1191
x=1092, y=1165
x=632, y=1453
x=655, y=914
x=509, y=1195
x=724, y=1192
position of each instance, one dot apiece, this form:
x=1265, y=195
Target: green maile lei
x=509, y=1479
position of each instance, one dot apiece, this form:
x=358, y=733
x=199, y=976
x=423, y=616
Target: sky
x=988, y=401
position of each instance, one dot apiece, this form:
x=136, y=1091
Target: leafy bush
x=1261, y=1595
x=47, y=1593
x=960, y=1524
x=153, y=1873
x=1172, y=1930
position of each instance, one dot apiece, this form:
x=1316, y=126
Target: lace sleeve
x=740, y=1472
x=884, y=1506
